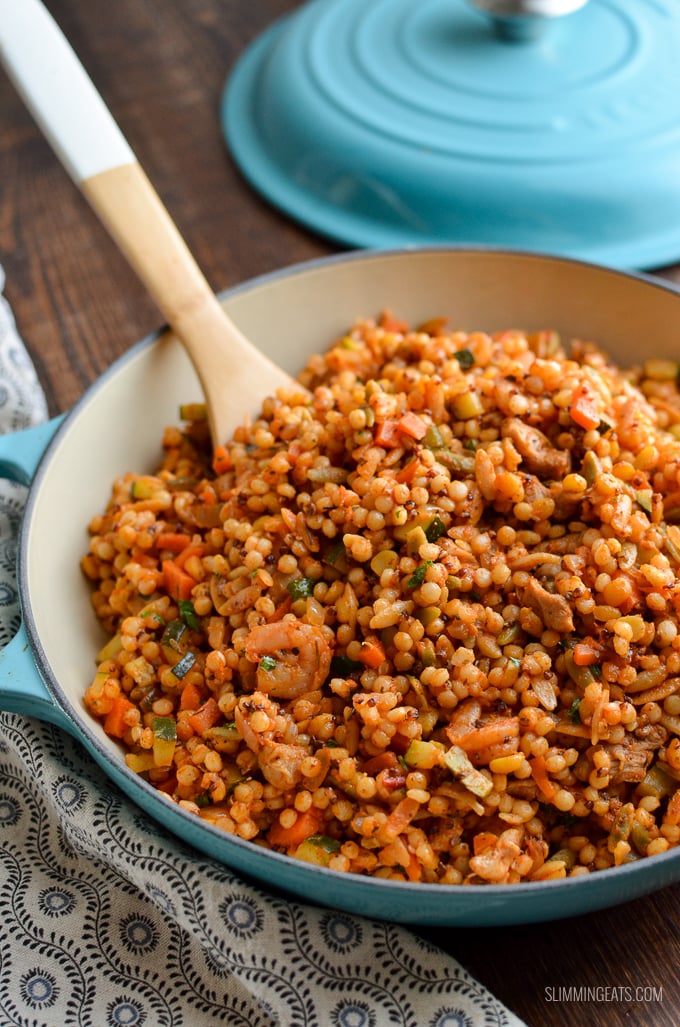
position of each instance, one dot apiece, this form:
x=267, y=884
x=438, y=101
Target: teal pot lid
x=393, y=123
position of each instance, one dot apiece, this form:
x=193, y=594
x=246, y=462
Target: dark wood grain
x=161, y=66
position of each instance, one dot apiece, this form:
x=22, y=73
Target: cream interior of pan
x=118, y=425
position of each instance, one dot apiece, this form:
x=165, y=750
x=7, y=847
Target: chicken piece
x=538, y=454
x=553, y=609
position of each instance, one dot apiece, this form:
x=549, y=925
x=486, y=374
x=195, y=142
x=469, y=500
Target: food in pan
x=419, y=620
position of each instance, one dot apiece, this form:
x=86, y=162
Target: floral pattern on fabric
x=106, y=920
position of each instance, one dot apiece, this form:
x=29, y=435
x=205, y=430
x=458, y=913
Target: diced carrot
x=283, y=607
x=307, y=824
x=408, y=471
x=191, y=696
x=539, y=772
x=413, y=425
x=221, y=462
x=391, y=323
x=178, y=584
x=386, y=434
x=174, y=541
x=493, y=733
x=583, y=408
x=205, y=717
x=383, y=761
x=188, y=552
x=585, y=654
x=372, y=653
x=414, y=869
x=400, y=817
x=115, y=724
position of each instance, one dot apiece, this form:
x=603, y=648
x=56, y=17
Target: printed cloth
x=105, y=920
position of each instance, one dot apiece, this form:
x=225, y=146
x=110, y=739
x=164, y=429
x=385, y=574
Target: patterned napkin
x=106, y=920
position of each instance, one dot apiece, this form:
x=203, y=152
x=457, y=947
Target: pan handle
x=21, y=451
x=22, y=690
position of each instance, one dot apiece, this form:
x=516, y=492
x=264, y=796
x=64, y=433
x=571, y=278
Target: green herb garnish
x=465, y=358
x=418, y=576
x=188, y=614
x=301, y=588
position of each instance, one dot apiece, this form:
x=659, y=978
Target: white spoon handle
x=235, y=376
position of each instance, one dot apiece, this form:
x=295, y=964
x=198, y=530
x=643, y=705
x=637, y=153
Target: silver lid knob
x=525, y=19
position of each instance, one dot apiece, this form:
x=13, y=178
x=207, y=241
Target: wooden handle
x=235, y=376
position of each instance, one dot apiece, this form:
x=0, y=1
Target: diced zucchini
x=110, y=650
x=424, y=755
x=140, y=762
x=459, y=765
x=317, y=849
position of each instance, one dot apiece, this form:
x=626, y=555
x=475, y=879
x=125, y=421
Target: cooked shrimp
x=281, y=765
x=292, y=657
x=494, y=861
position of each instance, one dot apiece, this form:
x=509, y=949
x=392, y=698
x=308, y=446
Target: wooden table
x=161, y=65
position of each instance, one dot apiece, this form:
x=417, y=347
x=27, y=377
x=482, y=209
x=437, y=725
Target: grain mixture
x=420, y=622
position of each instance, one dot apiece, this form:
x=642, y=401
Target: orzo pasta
x=419, y=620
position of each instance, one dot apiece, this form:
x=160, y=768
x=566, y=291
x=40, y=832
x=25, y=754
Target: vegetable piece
x=435, y=529
x=458, y=763
x=301, y=588
x=115, y=723
x=581, y=676
x=387, y=760
x=386, y=434
x=644, y=499
x=144, y=487
x=165, y=728
x=173, y=639
x=193, y=412
x=657, y=782
x=306, y=825
x=494, y=732
x=343, y=667
x=110, y=650
x=205, y=717
x=573, y=712
x=188, y=614
x=221, y=461
x=424, y=755
x=566, y=856
x=140, y=762
x=583, y=409
x=539, y=772
x=413, y=425
x=467, y=405
x=183, y=666
x=407, y=472
x=465, y=358
x=585, y=654
x=393, y=324
x=372, y=653
x=164, y=740
x=191, y=697
x=317, y=849
x=418, y=576
x=174, y=541
x=178, y=584
x=267, y=663
x=433, y=438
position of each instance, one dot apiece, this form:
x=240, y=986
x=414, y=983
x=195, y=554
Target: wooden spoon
x=234, y=374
